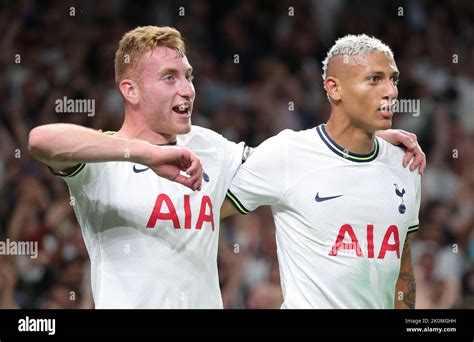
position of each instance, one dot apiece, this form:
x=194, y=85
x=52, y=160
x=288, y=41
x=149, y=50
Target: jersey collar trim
x=344, y=153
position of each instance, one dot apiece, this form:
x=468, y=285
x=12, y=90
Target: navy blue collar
x=343, y=152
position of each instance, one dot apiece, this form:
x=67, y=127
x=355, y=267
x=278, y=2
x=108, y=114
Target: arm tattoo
x=409, y=296
x=407, y=276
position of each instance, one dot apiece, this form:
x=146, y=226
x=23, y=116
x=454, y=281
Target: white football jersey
x=152, y=242
x=341, y=218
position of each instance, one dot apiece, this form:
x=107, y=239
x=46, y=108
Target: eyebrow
x=172, y=70
x=381, y=73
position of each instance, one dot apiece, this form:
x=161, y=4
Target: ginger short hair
x=137, y=42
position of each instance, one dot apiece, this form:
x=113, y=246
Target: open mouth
x=387, y=109
x=182, y=109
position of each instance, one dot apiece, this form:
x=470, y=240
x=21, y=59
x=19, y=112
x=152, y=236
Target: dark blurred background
x=48, y=53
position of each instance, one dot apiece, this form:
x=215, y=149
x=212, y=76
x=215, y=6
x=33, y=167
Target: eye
x=395, y=80
x=190, y=78
x=169, y=78
x=373, y=79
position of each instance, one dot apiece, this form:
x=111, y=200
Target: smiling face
x=165, y=91
x=363, y=87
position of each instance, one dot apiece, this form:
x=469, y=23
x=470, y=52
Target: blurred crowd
x=257, y=67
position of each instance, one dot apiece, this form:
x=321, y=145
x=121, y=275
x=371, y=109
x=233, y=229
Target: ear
x=333, y=88
x=130, y=91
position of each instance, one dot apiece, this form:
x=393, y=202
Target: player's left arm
x=405, y=289
x=409, y=142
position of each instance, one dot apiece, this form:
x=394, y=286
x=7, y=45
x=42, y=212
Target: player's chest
x=353, y=212
x=155, y=203
x=352, y=195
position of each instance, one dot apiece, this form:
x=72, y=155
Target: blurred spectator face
x=365, y=83
x=440, y=213
x=470, y=282
x=73, y=273
x=165, y=91
x=79, y=243
x=51, y=304
x=265, y=296
x=61, y=296
x=275, y=273
x=427, y=263
x=431, y=232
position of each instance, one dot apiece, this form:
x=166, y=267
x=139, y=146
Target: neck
x=135, y=127
x=345, y=134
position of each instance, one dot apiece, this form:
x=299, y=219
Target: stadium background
x=251, y=59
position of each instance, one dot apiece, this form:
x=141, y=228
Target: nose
x=391, y=91
x=186, y=90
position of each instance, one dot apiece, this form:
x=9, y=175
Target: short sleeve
x=414, y=225
x=262, y=179
x=83, y=175
x=235, y=156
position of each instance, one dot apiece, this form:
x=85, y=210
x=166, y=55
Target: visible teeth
x=182, y=107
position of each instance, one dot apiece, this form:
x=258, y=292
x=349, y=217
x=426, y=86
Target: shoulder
x=276, y=143
x=206, y=133
x=289, y=140
x=289, y=135
x=393, y=155
x=201, y=134
x=282, y=145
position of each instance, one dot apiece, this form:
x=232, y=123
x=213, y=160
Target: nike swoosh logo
x=322, y=199
x=138, y=170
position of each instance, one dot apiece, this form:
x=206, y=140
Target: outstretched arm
x=405, y=289
x=409, y=142
x=64, y=146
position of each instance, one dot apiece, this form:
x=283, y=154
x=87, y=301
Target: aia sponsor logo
x=390, y=242
x=165, y=210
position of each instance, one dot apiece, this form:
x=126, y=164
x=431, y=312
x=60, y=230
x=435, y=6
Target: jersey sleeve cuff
x=237, y=204
x=69, y=172
x=413, y=228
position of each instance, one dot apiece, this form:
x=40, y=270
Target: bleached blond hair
x=352, y=45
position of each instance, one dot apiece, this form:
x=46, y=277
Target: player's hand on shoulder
x=409, y=142
x=177, y=164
